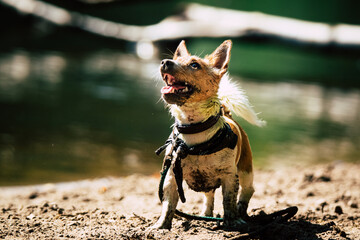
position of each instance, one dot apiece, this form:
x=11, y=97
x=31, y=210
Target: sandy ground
x=328, y=198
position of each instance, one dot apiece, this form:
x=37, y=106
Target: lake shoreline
x=327, y=195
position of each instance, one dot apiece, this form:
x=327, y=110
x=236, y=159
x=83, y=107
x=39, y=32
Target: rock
x=54, y=207
x=310, y=194
x=338, y=210
x=186, y=225
x=324, y=179
x=30, y=217
x=61, y=210
x=309, y=178
x=33, y=195
x=331, y=223
x=353, y=205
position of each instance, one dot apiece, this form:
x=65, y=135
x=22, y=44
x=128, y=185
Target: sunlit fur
x=233, y=98
x=228, y=168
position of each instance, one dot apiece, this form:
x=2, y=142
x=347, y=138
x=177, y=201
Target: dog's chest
x=205, y=173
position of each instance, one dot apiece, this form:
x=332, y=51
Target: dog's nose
x=166, y=64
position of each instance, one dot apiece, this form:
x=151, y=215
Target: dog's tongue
x=171, y=89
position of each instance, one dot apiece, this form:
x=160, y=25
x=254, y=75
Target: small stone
x=324, y=179
x=338, y=210
x=186, y=225
x=31, y=216
x=103, y=189
x=331, y=223
x=54, y=207
x=61, y=210
x=33, y=195
x=310, y=194
x=309, y=178
x=343, y=234
x=354, y=205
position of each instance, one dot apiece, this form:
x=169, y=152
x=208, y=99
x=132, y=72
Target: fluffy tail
x=234, y=99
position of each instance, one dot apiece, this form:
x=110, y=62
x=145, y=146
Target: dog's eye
x=195, y=65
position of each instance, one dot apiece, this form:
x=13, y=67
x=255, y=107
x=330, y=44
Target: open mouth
x=174, y=86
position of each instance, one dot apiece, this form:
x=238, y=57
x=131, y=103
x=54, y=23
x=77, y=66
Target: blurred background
x=80, y=98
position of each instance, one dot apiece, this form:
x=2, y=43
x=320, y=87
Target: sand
x=327, y=195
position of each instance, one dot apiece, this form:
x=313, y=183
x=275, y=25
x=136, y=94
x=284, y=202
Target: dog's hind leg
x=246, y=176
x=208, y=206
x=247, y=190
x=169, y=202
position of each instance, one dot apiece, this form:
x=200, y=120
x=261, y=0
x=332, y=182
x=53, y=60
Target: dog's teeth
x=186, y=89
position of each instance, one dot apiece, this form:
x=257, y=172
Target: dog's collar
x=197, y=127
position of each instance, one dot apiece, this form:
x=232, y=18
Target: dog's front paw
x=160, y=225
x=151, y=231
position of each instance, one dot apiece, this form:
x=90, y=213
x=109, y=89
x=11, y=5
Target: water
x=71, y=116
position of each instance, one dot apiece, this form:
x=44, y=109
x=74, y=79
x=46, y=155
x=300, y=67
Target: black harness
x=223, y=138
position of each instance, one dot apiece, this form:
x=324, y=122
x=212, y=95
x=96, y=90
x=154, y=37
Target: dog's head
x=192, y=79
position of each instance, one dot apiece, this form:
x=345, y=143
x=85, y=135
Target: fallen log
x=199, y=21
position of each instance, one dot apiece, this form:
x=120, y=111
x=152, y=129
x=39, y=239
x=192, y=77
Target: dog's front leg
x=208, y=207
x=230, y=188
x=169, y=202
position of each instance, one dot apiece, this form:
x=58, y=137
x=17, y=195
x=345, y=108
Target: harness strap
x=224, y=138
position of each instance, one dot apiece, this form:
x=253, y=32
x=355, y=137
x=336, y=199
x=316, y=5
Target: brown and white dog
x=196, y=90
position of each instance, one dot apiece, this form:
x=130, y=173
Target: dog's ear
x=181, y=51
x=220, y=57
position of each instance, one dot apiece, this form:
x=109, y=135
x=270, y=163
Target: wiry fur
x=233, y=98
x=210, y=88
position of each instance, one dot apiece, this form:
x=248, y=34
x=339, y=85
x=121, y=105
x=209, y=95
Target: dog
x=201, y=98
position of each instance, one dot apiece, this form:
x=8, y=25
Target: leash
x=259, y=222
x=279, y=216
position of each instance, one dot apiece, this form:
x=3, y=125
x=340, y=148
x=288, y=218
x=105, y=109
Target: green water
x=70, y=116
x=75, y=105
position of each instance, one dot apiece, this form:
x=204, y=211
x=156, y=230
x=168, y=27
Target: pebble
x=54, y=207
x=310, y=194
x=309, y=177
x=33, y=195
x=324, y=179
x=354, y=205
x=31, y=216
x=343, y=234
x=61, y=210
x=338, y=210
